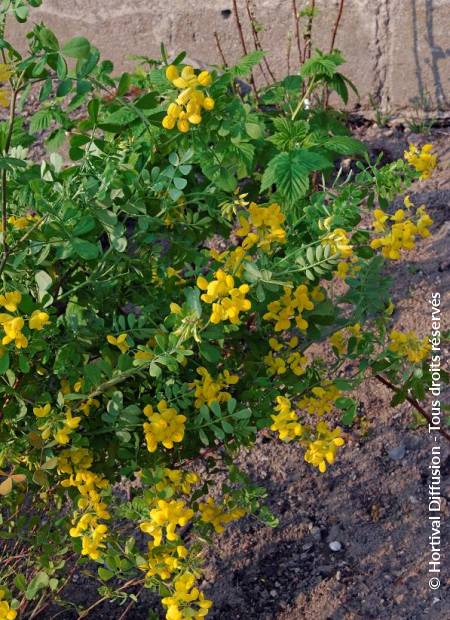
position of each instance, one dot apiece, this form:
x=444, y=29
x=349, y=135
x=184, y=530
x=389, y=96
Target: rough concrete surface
x=396, y=49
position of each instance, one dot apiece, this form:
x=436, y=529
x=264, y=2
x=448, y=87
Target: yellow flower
x=339, y=242
x=185, y=593
x=6, y=613
x=38, y=320
x=165, y=518
x=409, y=345
x=424, y=161
x=172, y=73
x=204, y=78
x=322, y=451
x=218, y=515
x=380, y=217
x=407, y=202
x=322, y=399
x=62, y=435
x=209, y=103
x=168, y=122
x=338, y=342
x=11, y=300
x=144, y=356
x=175, y=308
x=186, y=109
x=120, y=342
x=275, y=365
x=231, y=300
x=13, y=331
x=208, y=390
x=42, y=412
x=289, y=308
x=286, y=421
x=164, y=426
x=263, y=227
x=342, y=270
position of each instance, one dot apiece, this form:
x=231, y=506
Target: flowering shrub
x=163, y=283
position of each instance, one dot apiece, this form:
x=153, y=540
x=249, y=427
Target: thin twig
x=308, y=32
x=219, y=47
x=244, y=46
x=413, y=402
x=288, y=53
x=129, y=606
x=128, y=584
x=258, y=46
x=336, y=25
x=297, y=30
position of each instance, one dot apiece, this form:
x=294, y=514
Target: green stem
x=302, y=100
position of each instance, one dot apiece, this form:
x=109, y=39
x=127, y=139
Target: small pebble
x=396, y=454
x=273, y=593
x=335, y=545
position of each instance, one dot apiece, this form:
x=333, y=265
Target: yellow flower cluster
x=186, y=110
x=71, y=423
x=5, y=74
x=424, y=161
x=13, y=325
x=286, y=358
x=73, y=459
x=163, y=561
x=286, y=422
x=322, y=451
x=339, y=339
x=409, y=345
x=402, y=234
x=322, y=399
x=339, y=242
x=120, y=342
x=185, y=595
x=232, y=259
x=208, y=389
x=289, y=307
x=227, y=300
x=165, y=518
x=218, y=514
x=87, y=526
x=6, y=613
x=22, y=221
x=262, y=227
x=180, y=481
x=60, y=433
x=164, y=426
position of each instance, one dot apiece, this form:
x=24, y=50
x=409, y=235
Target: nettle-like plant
x=163, y=283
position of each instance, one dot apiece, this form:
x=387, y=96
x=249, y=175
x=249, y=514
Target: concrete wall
x=396, y=49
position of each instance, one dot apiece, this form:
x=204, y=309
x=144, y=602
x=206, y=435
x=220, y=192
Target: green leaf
x=21, y=13
x=4, y=362
x=40, y=120
x=154, y=370
x=78, y=47
x=104, y=573
x=290, y=172
x=345, y=145
x=61, y=68
x=246, y=64
x=124, y=84
x=85, y=249
x=203, y=437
